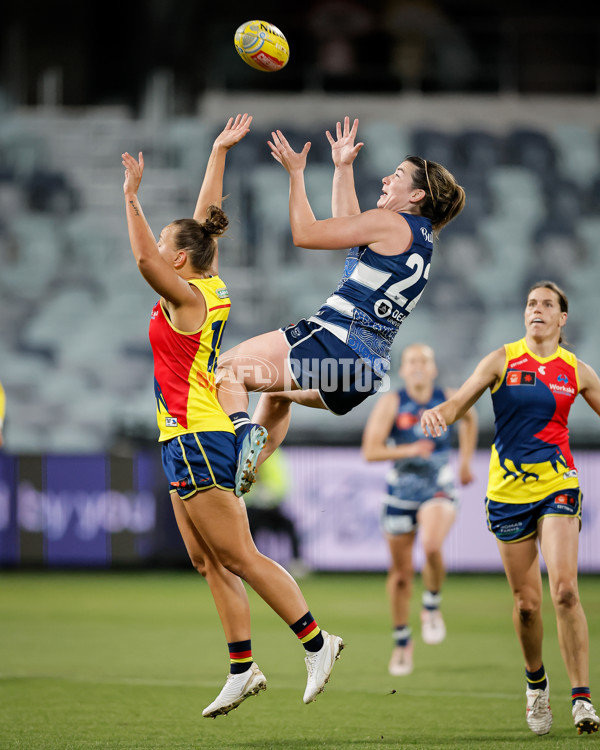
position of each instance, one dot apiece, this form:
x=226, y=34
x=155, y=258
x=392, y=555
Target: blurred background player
x=2, y=413
x=265, y=512
x=421, y=494
x=198, y=440
x=533, y=496
x=337, y=358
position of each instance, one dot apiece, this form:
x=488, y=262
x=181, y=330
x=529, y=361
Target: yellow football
x=262, y=46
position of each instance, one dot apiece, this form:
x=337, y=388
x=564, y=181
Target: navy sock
x=580, y=694
x=308, y=632
x=240, y=656
x=402, y=634
x=536, y=680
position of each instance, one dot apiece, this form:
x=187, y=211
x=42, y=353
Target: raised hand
x=282, y=152
x=234, y=131
x=133, y=172
x=343, y=148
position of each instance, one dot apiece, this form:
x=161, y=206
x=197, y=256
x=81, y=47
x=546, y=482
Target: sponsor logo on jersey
x=565, y=390
x=542, y=369
x=383, y=308
x=562, y=379
x=518, y=362
x=170, y=421
x=405, y=420
x=564, y=500
x=427, y=236
x=520, y=377
x=572, y=474
x=222, y=293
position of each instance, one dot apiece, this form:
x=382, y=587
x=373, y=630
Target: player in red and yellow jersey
x=533, y=497
x=199, y=451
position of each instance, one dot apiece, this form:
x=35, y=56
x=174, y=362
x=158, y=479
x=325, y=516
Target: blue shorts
x=512, y=522
x=200, y=460
x=318, y=359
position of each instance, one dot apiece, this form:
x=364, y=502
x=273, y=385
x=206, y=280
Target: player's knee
x=432, y=550
x=401, y=578
x=236, y=562
x=528, y=608
x=565, y=595
x=199, y=564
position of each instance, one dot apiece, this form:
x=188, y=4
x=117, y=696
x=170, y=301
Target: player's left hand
x=133, y=172
x=343, y=148
x=282, y=152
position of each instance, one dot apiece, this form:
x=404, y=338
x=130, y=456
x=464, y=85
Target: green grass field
x=127, y=661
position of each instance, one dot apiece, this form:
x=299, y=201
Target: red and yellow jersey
x=185, y=366
x=531, y=457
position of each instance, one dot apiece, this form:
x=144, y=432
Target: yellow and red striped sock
x=240, y=656
x=308, y=632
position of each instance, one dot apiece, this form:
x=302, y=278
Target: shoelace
x=310, y=663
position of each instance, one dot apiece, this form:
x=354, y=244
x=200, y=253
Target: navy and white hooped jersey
x=376, y=293
x=419, y=478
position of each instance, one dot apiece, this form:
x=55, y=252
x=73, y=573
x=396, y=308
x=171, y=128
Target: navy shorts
x=318, y=359
x=200, y=460
x=512, y=522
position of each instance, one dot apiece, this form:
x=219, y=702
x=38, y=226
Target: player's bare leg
x=435, y=519
x=522, y=567
x=399, y=585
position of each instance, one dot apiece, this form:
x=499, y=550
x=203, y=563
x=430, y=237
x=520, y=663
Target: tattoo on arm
x=135, y=208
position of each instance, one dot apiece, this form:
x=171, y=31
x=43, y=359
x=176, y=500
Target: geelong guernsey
x=185, y=366
x=531, y=458
x=376, y=294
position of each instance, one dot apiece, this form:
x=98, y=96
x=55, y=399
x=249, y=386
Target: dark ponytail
x=197, y=239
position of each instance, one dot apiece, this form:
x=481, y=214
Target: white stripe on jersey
x=368, y=276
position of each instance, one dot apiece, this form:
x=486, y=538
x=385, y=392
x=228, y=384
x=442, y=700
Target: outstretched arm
x=487, y=373
x=161, y=277
x=343, y=153
x=367, y=228
x=211, y=192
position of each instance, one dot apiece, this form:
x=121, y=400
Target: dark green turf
x=127, y=661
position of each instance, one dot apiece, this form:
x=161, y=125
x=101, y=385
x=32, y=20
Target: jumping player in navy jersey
x=533, y=501
x=339, y=356
x=421, y=494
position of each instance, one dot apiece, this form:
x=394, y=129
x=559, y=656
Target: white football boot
x=252, y=444
x=401, y=662
x=237, y=688
x=539, y=715
x=319, y=665
x=433, y=628
x=585, y=717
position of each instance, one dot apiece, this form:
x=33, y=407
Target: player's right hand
x=433, y=423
